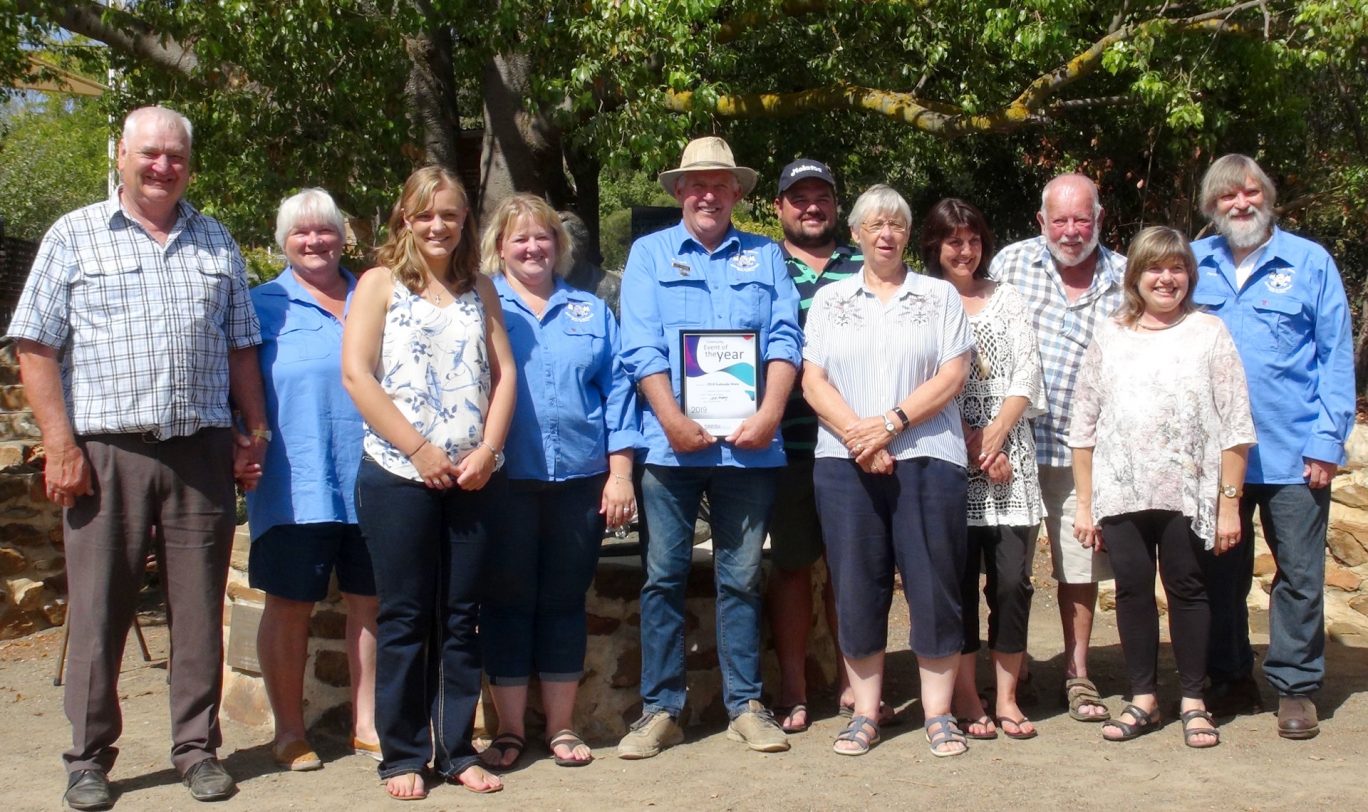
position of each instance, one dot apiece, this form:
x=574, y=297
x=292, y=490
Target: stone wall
x=32, y=567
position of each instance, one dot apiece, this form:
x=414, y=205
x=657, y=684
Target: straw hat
x=704, y=155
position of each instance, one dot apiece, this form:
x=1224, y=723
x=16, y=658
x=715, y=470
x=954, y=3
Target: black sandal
x=1213, y=731
x=1144, y=723
x=503, y=744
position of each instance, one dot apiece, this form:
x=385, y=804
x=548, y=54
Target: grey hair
x=1071, y=177
x=308, y=207
x=879, y=199
x=164, y=114
x=1229, y=173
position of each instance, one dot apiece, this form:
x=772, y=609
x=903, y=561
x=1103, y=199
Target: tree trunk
x=432, y=93
x=522, y=150
x=584, y=168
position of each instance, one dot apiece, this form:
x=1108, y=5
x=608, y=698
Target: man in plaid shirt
x=134, y=328
x=1071, y=285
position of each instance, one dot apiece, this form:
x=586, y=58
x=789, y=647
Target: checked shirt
x=144, y=329
x=1063, y=329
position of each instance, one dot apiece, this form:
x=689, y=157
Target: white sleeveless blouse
x=435, y=367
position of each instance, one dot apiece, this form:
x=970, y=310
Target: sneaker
x=208, y=781
x=756, y=727
x=650, y=734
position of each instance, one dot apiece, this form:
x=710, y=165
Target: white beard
x=1063, y=261
x=1243, y=234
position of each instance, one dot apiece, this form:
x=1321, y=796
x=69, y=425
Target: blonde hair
x=1151, y=247
x=506, y=215
x=400, y=253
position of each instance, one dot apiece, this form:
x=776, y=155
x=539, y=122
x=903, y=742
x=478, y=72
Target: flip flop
x=456, y=779
x=418, y=797
x=568, y=738
x=985, y=719
x=1004, y=721
x=786, y=712
x=503, y=744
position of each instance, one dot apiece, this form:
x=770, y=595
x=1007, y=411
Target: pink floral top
x=1158, y=407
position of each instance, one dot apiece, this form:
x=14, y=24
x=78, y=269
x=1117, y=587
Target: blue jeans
x=740, y=501
x=427, y=548
x=540, y=566
x=1294, y=521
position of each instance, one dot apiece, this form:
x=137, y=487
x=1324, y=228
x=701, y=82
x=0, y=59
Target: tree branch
x=1029, y=107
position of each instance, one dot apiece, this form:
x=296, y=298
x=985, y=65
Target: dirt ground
x=1068, y=765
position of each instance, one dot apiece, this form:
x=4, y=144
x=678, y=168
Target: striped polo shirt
x=877, y=353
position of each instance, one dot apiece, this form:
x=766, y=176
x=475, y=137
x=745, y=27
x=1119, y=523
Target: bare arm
x=1233, y=463
x=1084, y=530
x=478, y=466
x=67, y=474
x=361, y=338
x=245, y=389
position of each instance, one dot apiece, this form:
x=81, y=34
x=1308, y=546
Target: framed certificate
x=722, y=382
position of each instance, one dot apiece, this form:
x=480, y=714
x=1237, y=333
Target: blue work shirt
x=309, y=475
x=673, y=283
x=575, y=402
x=1290, y=322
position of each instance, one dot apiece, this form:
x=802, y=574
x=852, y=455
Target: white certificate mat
x=721, y=382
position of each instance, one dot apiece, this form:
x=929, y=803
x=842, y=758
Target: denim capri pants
x=913, y=519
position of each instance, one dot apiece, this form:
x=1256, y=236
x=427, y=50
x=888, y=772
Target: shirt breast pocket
x=213, y=275
x=750, y=305
x=684, y=303
x=1209, y=300
x=109, y=291
x=298, y=342
x=1285, y=318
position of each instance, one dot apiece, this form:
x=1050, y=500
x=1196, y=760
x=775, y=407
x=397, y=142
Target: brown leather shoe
x=1297, y=717
x=1235, y=697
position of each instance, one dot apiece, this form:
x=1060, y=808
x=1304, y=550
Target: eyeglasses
x=896, y=226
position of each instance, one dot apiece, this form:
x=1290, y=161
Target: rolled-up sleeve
x=785, y=341
x=643, y=334
x=620, y=406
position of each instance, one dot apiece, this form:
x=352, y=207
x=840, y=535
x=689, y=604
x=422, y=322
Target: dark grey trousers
x=183, y=487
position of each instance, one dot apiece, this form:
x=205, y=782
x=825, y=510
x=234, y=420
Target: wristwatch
x=889, y=425
x=1231, y=491
x=902, y=416
x=262, y=434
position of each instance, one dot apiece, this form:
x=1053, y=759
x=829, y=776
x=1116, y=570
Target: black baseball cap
x=802, y=169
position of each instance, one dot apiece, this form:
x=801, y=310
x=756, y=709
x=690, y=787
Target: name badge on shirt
x=681, y=266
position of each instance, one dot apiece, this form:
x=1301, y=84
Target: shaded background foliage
x=583, y=101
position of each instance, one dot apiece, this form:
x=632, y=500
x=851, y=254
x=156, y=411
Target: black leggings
x=1132, y=541
x=1004, y=554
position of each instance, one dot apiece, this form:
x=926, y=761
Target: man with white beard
x=1071, y=285
x=1283, y=301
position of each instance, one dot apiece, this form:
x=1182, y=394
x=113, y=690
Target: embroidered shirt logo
x=579, y=311
x=745, y=261
x=1279, y=281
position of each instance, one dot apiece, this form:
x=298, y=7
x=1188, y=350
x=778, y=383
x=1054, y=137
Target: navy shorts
x=294, y=561
x=795, y=532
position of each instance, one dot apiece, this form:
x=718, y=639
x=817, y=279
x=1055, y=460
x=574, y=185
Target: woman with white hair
x=887, y=351
x=302, y=514
x=570, y=453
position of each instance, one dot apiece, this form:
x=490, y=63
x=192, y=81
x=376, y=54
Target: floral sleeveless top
x=435, y=367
